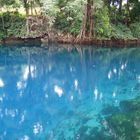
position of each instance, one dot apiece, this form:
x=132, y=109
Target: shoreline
x=101, y=42
x=71, y=41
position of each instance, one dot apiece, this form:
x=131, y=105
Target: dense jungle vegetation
x=111, y=19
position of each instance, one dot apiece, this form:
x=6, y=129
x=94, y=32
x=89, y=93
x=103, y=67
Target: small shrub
x=13, y=24
x=102, y=23
x=135, y=29
x=121, y=31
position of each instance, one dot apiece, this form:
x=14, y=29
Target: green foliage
x=7, y=2
x=62, y=23
x=69, y=18
x=102, y=23
x=75, y=27
x=50, y=9
x=135, y=12
x=13, y=24
x=67, y=25
x=135, y=29
x=2, y=35
x=110, y=21
x=121, y=31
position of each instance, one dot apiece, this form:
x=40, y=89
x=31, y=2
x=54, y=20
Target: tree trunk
x=31, y=7
x=120, y=7
x=3, y=24
x=128, y=12
x=26, y=7
x=2, y=19
x=87, y=22
x=27, y=14
x=83, y=29
x=91, y=21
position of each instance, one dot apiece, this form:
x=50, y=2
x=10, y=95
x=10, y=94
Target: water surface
x=68, y=93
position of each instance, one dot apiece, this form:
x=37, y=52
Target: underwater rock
x=137, y=86
x=123, y=127
x=131, y=105
x=110, y=110
x=126, y=124
x=97, y=134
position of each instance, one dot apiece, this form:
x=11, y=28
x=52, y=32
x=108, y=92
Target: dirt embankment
x=93, y=41
x=47, y=38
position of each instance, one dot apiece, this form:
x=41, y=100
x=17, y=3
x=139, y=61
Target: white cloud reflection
x=1, y=83
x=71, y=97
x=76, y=84
x=138, y=78
x=2, y=96
x=101, y=96
x=115, y=70
x=1, y=99
x=37, y=128
x=25, y=137
x=96, y=93
x=58, y=90
x=46, y=96
x=122, y=66
x=109, y=75
x=20, y=85
x=11, y=112
x=26, y=72
x=114, y=94
x=22, y=119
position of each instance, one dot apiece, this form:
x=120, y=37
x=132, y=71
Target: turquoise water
x=68, y=92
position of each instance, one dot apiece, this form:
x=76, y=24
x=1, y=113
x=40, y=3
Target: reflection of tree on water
x=53, y=80
x=94, y=65
x=102, y=62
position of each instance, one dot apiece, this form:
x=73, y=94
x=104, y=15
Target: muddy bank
x=102, y=42
x=17, y=40
x=40, y=40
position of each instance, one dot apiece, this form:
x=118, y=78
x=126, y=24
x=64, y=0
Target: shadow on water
x=69, y=92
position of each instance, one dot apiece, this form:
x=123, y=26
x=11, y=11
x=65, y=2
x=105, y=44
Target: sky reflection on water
x=47, y=93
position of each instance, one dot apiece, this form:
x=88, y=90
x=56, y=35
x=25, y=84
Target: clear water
x=63, y=92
